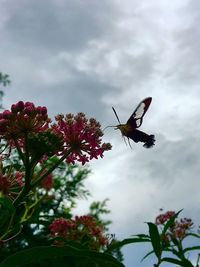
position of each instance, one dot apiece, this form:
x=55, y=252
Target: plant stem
x=51, y=169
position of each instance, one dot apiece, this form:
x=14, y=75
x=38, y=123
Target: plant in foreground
x=167, y=236
x=27, y=183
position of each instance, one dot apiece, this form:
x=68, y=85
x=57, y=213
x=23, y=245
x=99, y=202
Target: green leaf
x=191, y=248
x=6, y=202
x=119, y=244
x=155, y=239
x=147, y=255
x=184, y=263
x=6, y=208
x=142, y=236
x=38, y=254
x=172, y=260
x=170, y=222
x=193, y=234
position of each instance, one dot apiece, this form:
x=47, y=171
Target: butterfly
x=130, y=130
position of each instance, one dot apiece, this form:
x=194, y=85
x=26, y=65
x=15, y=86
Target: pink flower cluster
x=47, y=182
x=178, y=230
x=23, y=118
x=10, y=183
x=82, y=136
x=83, y=229
x=162, y=218
x=74, y=136
x=181, y=228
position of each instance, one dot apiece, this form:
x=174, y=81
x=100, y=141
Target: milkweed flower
x=83, y=229
x=181, y=228
x=178, y=230
x=82, y=136
x=19, y=176
x=23, y=118
x=11, y=183
x=47, y=183
x=162, y=218
x=5, y=184
x=73, y=137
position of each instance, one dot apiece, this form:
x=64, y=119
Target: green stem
x=182, y=257
x=26, y=161
x=19, y=151
x=51, y=169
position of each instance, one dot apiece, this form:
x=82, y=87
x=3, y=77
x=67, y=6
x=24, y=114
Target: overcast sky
x=91, y=55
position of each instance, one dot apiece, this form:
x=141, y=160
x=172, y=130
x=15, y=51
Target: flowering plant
x=39, y=182
x=33, y=152
x=167, y=235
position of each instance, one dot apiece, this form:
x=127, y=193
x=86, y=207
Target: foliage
x=40, y=183
x=4, y=80
x=166, y=235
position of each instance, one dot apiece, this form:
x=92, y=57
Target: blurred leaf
x=184, y=263
x=172, y=260
x=147, y=255
x=170, y=222
x=193, y=234
x=6, y=208
x=155, y=239
x=191, y=248
x=38, y=254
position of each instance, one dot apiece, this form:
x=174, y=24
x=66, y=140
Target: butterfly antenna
x=116, y=115
x=119, y=123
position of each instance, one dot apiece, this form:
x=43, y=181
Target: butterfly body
x=130, y=130
x=125, y=129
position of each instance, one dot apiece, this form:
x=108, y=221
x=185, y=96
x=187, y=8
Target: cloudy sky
x=90, y=55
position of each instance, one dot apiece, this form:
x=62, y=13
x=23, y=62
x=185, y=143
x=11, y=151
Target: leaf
x=155, y=239
x=170, y=222
x=6, y=208
x=6, y=202
x=147, y=255
x=38, y=254
x=172, y=260
x=142, y=236
x=193, y=234
x=184, y=263
x=191, y=248
x=119, y=244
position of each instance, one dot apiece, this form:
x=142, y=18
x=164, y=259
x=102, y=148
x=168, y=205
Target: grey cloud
x=57, y=25
x=186, y=64
x=168, y=160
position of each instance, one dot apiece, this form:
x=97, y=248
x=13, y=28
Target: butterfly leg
x=124, y=139
x=129, y=143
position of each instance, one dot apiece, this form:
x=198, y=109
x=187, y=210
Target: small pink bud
x=7, y=114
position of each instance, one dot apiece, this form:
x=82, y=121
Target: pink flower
x=73, y=137
x=80, y=229
x=19, y=178
x=5, y=184
x=47, y=182
x=178, y=230
x=10, y=182
x=181, y=228
x=162, y=218
x=81, y=136
x=61, y=226
x=23, y=118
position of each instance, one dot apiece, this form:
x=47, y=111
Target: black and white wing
x=136, y=118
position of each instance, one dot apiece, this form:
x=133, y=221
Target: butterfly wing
x=136, y=118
